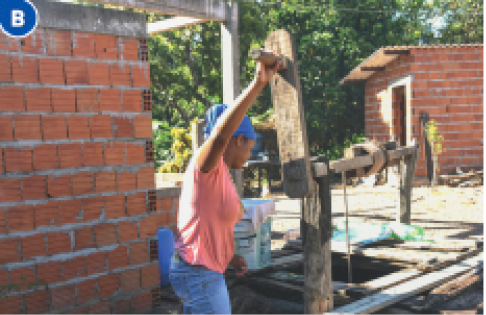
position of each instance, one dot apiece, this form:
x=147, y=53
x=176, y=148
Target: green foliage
x=331, y=37
x=337, y=151
x=463, y=21
x=434, y=138
x=186, y=65
x=181, y=151
x=162, y=142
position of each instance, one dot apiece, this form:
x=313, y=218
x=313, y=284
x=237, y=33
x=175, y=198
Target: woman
x=210, y=206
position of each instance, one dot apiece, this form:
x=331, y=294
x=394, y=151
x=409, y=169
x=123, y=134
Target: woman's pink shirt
x=209, y=208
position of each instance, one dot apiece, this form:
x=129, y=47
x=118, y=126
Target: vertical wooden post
x=407, y=172
x=231, y=69
x=316, y=227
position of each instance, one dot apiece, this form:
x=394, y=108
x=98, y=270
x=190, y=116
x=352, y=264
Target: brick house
x=406, y=86
x=78, y=206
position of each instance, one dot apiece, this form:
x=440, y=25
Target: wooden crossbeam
x=204, y=9
x=396, y=52
x=343, y=165
x=172, y=23
x=400, y=152
x=349, y=164
x=372, y=68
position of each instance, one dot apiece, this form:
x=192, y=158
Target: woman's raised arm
x=213, y=148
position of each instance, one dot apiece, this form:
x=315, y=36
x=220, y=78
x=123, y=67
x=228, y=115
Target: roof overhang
x=375, y=62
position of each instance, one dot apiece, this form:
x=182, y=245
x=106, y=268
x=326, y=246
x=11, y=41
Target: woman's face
x=242, y=148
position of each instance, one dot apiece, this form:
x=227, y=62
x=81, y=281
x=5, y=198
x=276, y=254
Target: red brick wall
x=447, y=84
x=77, y=202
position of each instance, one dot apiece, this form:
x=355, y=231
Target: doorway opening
x=399, y=115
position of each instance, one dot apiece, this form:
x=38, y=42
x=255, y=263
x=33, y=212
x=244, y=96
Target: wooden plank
x=392, y=279
x=395, y=294
x=453, y=257
x=343, y=165
x=397, y=154
x=396, y=51
x=396, y=278
x=443, y=293
x=286, y=260
x=336, y=285
x=172, y=23
x=372, y=68
x=290, y=118
x=207, y=9
x=452, y=246
x=420, y=257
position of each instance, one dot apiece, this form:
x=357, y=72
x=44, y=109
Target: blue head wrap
x=246, y=127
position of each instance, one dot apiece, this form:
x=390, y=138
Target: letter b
x=18, y=18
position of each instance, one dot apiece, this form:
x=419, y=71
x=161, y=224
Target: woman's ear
x=240, y=140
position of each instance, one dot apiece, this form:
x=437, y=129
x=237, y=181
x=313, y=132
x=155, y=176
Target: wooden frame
x=204, y=9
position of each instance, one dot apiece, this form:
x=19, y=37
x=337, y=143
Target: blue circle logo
x=18, y=18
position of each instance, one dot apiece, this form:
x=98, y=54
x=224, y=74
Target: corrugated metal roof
x=383, y=56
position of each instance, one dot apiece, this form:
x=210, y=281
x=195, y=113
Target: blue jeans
x=202, y=291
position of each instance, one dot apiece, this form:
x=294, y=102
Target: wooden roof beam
x=372, y=68
x=352, y=81
x=396, y=52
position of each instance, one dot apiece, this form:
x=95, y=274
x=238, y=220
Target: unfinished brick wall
x=447, y=84
x=78, y=209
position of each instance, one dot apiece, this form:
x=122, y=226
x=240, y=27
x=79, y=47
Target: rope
x=350, y=276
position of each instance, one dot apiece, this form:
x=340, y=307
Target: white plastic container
x=254, y=246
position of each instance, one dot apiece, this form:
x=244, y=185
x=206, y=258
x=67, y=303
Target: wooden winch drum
x=378, y=154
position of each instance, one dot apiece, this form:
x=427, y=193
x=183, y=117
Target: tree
x=332, y=38
x=186, y=65
x=463, y=21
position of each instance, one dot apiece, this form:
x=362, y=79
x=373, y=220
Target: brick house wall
x=78, y=206
x=447, y=84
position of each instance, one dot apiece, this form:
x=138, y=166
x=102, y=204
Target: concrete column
x=197, y=133
x=230, y=59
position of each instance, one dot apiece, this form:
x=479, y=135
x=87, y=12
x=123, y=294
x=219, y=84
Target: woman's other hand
x=239, y=265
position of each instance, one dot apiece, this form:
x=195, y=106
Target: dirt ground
x=443, y=212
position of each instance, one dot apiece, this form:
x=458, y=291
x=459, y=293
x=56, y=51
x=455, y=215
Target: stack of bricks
x=78, y=209
x=446, y=82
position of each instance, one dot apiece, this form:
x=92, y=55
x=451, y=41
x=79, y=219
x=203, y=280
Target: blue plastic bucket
x=166, y=248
